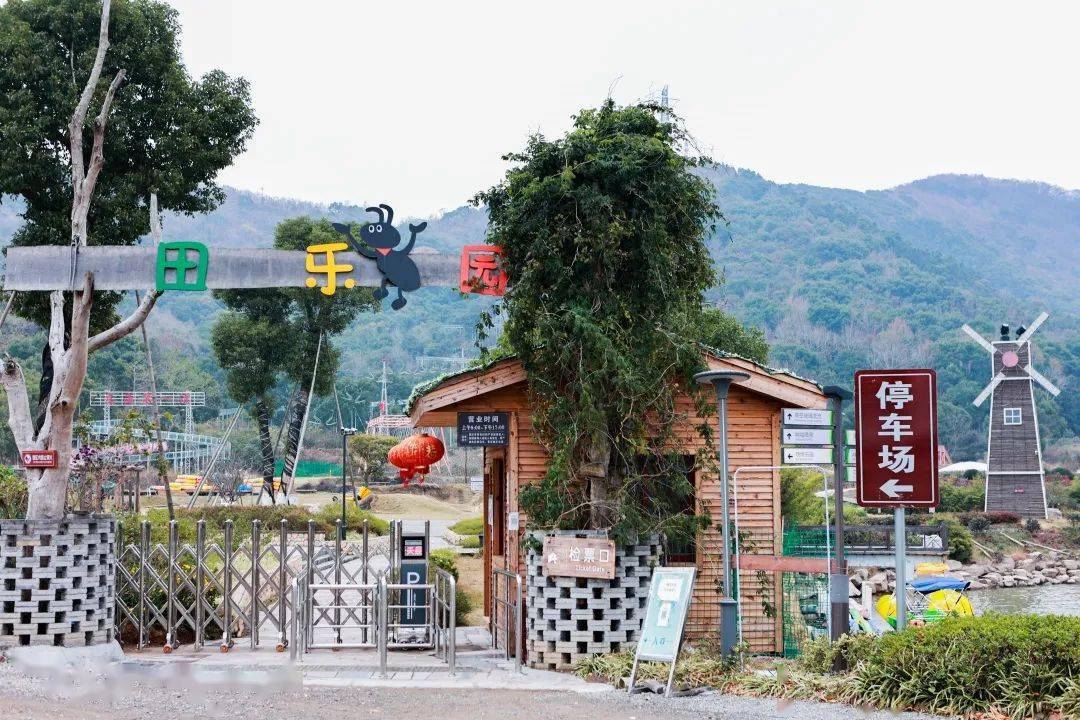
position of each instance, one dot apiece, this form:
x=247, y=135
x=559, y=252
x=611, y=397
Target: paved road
x=84, y=698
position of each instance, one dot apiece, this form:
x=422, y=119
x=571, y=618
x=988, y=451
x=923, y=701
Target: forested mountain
x=839, y=280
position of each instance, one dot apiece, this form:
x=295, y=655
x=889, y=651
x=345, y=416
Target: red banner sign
x=38, y=458
x=896, y=438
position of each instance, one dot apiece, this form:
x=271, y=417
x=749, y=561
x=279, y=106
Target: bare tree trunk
x=69, y=344
x=597, y=469
x=292, y=440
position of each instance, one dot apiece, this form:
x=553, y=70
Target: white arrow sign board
x=850, y=473
x=849, y=456
x=849, y=437
x=802, y=416
x=807, y=455
x=807, y=436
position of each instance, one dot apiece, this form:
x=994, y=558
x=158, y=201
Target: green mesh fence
x=805, y=613
x=311, y=468
x=805, y=542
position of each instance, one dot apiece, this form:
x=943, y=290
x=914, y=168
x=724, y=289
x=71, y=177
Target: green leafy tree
x=168, y=133
x=720, y=331
x=251, y=344
x=314, y=316
x=275, y=333
x=603, y=232
x=369, y=455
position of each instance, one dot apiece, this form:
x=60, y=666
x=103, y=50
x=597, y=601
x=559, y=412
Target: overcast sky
x=413, y=103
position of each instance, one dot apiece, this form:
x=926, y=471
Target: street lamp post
x=729, y=609
x=346, y=432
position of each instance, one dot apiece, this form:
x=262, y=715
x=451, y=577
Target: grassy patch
x=469, y=526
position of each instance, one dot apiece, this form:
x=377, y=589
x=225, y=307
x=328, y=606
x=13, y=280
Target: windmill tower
x=1014, y=471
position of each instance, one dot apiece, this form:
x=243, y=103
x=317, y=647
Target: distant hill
x=839, y=279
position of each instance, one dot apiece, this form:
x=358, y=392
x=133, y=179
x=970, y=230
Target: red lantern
x=415, y=455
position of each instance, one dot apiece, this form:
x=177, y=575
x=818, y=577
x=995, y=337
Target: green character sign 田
x=175, y=260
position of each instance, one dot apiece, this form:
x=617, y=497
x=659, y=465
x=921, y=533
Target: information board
x=669, y=602
x=483, y=429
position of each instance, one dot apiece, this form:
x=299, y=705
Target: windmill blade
x=1032, y=328
x=1042, y=380
x=979, y=339
x=988, y=389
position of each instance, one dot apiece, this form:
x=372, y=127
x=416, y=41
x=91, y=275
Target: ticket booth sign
x=896, y=438
x=579, y=557
x=38, y=458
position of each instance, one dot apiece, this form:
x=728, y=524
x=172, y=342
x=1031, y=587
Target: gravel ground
x=24, y=697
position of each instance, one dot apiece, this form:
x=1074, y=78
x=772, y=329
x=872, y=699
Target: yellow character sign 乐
x=330, y=268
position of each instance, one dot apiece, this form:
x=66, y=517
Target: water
x=1038, y=600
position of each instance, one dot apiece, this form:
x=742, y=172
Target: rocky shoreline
x=1051, y=567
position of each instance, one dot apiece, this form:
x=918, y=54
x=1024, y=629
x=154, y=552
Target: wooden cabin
x=754, y=442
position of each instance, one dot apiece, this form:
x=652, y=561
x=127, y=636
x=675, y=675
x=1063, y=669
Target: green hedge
x=1021, y=665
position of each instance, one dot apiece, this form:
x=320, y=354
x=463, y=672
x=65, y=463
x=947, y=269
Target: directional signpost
x=896, y=428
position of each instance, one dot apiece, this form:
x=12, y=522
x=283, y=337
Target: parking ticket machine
x=413, y=548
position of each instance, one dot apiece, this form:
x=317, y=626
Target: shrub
x=1031, y=525
x=994, y=517
x=960, y=545
x=962, y=499
x=13, y=495
x=979, y=525
x=470, y=526
x=471, y=541
x=445, y=559
x=1017, y=664
x=328, y=515
x=823, y=656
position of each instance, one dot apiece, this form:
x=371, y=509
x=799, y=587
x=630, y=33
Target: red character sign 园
x=896, y=437
x=480, y=270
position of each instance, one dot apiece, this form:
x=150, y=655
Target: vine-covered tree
x=604, y=232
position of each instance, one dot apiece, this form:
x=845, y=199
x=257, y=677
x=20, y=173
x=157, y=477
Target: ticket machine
x=413, y=548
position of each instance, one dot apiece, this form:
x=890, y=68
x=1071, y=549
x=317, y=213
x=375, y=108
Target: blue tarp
x=930, y=583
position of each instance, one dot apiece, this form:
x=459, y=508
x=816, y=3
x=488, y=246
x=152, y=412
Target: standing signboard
x=483, y=429
x=661, y=632
x=896, y=428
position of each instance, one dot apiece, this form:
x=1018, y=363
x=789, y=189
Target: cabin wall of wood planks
x=753, y=440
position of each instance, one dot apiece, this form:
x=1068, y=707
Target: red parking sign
x=896, y=438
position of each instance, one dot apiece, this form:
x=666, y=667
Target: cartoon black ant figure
x=396, y=266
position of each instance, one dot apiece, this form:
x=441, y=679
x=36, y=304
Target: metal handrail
x=342, y=611
x=444, y=617
x=515, y=607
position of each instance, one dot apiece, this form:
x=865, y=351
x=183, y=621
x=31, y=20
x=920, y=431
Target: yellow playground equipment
x=188, y=483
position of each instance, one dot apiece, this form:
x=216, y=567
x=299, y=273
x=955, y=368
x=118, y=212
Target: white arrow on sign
x=807, y=455
x=893, y=490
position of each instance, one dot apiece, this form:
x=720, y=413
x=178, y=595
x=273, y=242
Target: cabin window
x=1013, y=416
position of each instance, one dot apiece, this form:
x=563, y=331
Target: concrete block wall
x=57, y=581
x=569, y=618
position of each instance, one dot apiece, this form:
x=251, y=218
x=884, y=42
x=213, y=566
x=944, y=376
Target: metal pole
x=337, y=578
x=256, y=544
x=729, y=608
x=518, y=614
x=283, y=551
x=344, y=453
x=382, y=626
x=170, y=634
x=226, y=639
x=365, y=614
x=200, y=558
x=838, y=580
x=144, y=549
x=901, y=568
